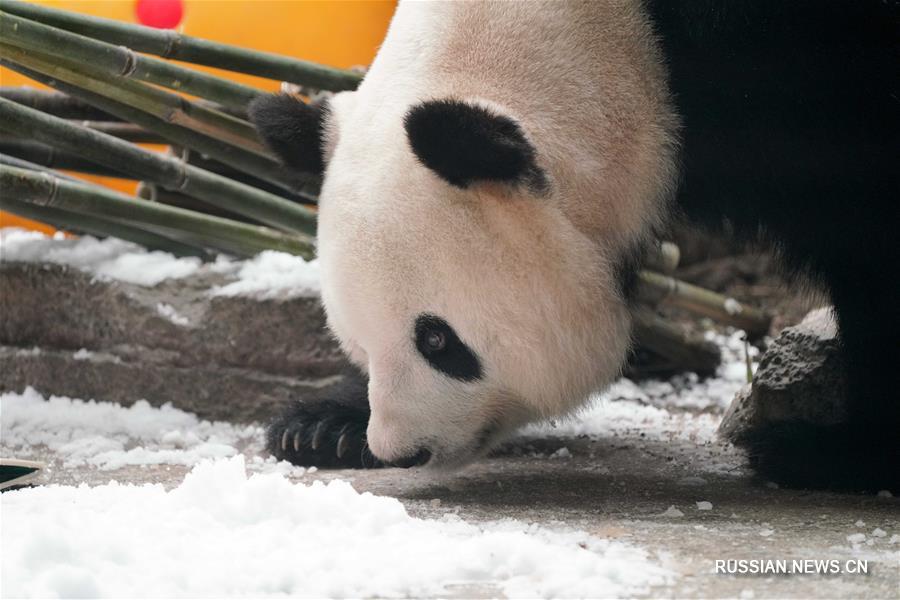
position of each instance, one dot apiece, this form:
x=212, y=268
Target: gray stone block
x=234, y=358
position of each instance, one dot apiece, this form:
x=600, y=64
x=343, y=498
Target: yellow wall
x=333, y=32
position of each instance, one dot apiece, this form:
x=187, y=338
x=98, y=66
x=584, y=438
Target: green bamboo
x=167, y=171
x=124, y=62
x=99, y=227
x=48, y=156
x=167, y=106
x=55, y=103
x=48, y=190
x=171, y=44
x=153, y=193
x=14, y=161
x=125, y=131
x=237, y=158
x=654, y=288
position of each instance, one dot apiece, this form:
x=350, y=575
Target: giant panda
x=491, y=188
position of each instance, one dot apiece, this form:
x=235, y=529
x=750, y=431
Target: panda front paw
x=322, y=434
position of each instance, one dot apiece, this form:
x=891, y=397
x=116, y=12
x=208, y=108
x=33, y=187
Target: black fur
x=341, y=410
x=455, y=359
x=464, y=144
x=292, y=129
x=790, y=113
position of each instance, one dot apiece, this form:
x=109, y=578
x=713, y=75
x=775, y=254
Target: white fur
x=527, y=282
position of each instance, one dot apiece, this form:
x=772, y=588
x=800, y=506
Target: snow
x=109, y=436
x=672, y=512
x=704, y=505
x=168, y=312
x=109, y=258
x=856, y=538
x=287, y=537
x=273, y=274
x=269, y=275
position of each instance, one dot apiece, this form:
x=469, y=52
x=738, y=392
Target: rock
x=800, y=378
x=66, y=332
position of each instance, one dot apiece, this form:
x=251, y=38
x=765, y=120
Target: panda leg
x=326, y=429
x=862, y=453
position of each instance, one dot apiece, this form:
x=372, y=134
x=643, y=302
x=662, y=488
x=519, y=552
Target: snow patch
x=108, y=258
x=704, y=505
x=221, y=533
x=168, y=312
x=273, y=274
x=110, y=436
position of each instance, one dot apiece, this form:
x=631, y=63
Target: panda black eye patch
x=445, y=352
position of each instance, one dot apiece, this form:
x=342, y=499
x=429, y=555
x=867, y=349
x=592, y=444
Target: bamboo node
x=131, y=61
x=172, y=38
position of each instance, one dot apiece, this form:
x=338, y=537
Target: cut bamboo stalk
x=689, y=353
x=37, y=37
x=167, y=171
x=166, y=106
x=97, y=226
x=655, y=288
x=47, y=190
x=237, y=158
x=171, y=44
x=664, y=257
x=54, y=103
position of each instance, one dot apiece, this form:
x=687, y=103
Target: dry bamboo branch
x=167, y=171
x=47, y=190
x=654, y=288
x=37, y=37
x=171, y=44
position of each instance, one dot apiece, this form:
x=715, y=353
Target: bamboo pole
x=48, y=156
x=173, y=45
x=124, y=62
x=237, y=158
x=125, y=131
x=167, y=171
x=99, y=227
x=55, y=103
x=47, y=190
x=14, y=161
x=166, y=106
x=654, y=288
x=153, y=193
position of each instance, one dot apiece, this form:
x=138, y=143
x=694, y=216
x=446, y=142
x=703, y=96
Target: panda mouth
x=419, y=459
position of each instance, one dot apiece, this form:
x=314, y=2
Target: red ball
x=162, y=14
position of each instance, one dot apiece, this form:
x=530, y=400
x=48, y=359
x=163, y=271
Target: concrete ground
x=621, y=487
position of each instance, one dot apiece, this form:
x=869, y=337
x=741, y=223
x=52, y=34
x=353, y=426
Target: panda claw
x=317, y=435
x=284, y=440
x=342, y=444
x=297, y=442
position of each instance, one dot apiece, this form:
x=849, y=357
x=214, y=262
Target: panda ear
x=465, y=143
x=292, y=129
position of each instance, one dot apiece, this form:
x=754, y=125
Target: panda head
x=451, y=271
